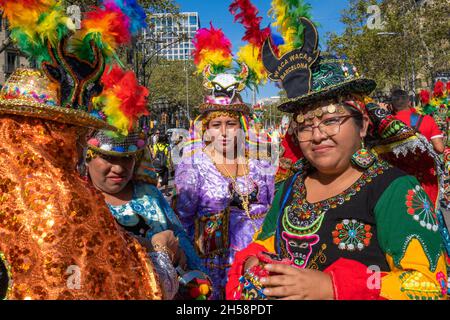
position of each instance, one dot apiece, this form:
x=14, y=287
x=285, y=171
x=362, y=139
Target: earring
x=363, y=158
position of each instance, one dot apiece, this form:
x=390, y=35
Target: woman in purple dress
x=223, y=194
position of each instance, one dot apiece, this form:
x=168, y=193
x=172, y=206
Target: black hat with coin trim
x=307, y=76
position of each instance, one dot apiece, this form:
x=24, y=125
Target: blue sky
x=325, y=12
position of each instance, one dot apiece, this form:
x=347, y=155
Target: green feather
x=34, y=49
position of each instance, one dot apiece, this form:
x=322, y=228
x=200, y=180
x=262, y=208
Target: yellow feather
x=47, y=27
x=249, y=54
x=110, y=105
x=279, y=13
x=214, y=57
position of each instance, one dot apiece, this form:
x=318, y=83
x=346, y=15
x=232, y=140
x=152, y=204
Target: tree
x=150, y=5
x=168, y=82
x=414, y=40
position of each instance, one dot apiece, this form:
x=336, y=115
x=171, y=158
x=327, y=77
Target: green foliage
x=420, y=41
x=167, y=81
x=150, y=5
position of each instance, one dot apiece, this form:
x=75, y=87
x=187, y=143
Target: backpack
x=160, y=159
x=416, y=121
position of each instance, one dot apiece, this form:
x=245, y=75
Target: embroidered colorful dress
x=212, y=212
x=147, y=214
x=383, y=222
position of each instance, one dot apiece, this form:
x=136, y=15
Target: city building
x=10, y=57
x=167, y=29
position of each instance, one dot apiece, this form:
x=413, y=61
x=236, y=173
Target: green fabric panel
x=270, y=221
x=396, y=227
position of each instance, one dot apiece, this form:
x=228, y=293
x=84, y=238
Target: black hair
x=163, y=138
x=399, y=95
x=357, y=116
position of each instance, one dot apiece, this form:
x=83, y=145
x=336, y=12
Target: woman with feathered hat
x=58, y=238
x=222, y=193
x=117, y=166
x=346, y=224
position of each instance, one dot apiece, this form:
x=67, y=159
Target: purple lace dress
x=212, y=212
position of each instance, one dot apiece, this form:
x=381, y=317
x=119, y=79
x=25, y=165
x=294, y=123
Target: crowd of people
x=351, y=192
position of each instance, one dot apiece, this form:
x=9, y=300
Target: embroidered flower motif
x=417, y=287
x=351, y=235
x=440, y=277
x=421, y=209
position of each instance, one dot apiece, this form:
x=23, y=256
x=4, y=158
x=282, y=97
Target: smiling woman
x=345, y=209
x=139, y=207
x=222, y=192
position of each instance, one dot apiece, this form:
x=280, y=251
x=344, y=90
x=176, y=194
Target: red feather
x=247, y=14
x=425, y=97
x=113, y=23
x=133, y=96
x=439, y=89
x=125, y=86
x=210, y=39
x=448, y=87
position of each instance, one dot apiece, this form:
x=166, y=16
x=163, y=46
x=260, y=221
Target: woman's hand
x=166, y=239
x=290, y=283
x=146, y=243
x=180, y=259
x=251, y=262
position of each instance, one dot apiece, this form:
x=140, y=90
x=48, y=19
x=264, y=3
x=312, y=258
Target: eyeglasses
x=329, y=127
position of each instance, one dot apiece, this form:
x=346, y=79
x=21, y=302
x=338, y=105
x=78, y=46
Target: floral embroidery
x=417, y=287
x=303, y=215
x=440, y=277
x=421, y=209
x=351, y=235
x=319, y=257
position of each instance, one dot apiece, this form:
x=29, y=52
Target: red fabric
x=420, y=166
x=350, y=281
x=292, y=153
x=232, y=291
x=428, y=127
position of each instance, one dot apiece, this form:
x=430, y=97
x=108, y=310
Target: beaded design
x=420, y=208
x=417, y=287
x=352, y=235
x=304, y=218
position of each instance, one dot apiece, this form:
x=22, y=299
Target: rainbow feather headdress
x=438, y=99
x=437, y=105
x=213, y=58
x=75, y=62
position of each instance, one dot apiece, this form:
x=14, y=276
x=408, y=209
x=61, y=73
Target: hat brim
x=63, y=115
x=359, y=86
x=209, y=107
x=115, y=153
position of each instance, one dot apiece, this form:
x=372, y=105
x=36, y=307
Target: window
x=12, y=62
x=193, y=20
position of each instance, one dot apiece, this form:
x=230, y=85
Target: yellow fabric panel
x=414, y=280
x=269, y=243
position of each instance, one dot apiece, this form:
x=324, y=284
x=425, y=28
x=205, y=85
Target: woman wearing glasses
x=346, y=225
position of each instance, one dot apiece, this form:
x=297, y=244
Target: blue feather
x=133, y=10
x=277, y=38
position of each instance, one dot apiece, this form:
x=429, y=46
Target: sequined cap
x=29, y=92
x=109, y=144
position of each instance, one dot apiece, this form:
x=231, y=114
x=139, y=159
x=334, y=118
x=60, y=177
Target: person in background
x=423, y=124
x=162, y=162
